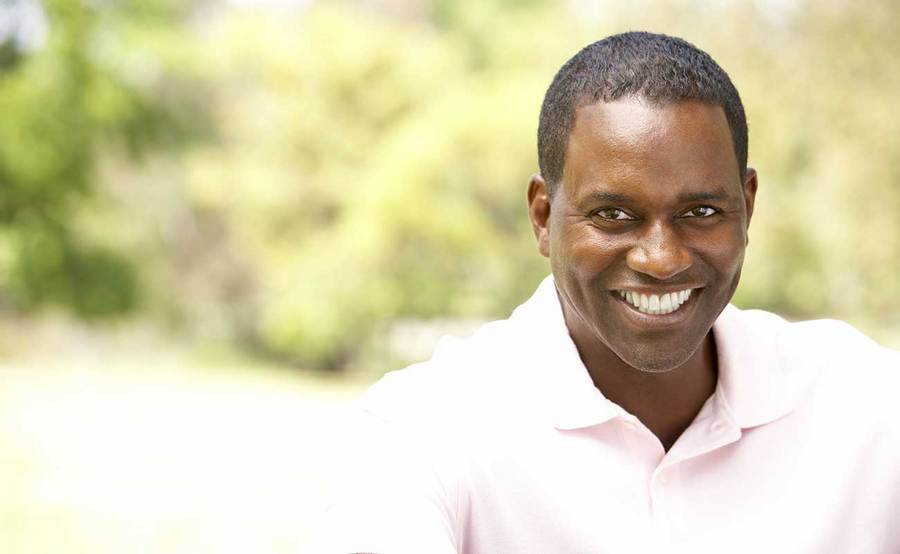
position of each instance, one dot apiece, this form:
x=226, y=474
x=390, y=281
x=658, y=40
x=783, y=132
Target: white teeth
x=665, y=303
x=656, y=304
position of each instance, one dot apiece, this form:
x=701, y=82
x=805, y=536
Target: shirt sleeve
x=390, y=498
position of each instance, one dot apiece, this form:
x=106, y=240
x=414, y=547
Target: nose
x=659, y=253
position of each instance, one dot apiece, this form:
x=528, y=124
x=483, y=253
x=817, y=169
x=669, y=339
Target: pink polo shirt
x=501, y=444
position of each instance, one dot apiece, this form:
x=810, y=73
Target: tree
x=64, y=102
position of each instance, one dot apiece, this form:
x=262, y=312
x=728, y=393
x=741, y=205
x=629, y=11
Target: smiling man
x=627, y=407
x=645, y=233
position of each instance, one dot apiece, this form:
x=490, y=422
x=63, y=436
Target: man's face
x=647, y=230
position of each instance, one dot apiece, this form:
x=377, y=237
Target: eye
x=700, y=211
x=613, y=214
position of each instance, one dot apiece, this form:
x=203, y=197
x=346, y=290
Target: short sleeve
x=390, y=499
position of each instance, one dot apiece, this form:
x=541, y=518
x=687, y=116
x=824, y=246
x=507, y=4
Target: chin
x=650, y=360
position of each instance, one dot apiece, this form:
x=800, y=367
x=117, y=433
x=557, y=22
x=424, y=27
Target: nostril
x=659, y=262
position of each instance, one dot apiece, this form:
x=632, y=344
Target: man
x=627, y=407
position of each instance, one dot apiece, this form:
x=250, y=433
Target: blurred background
x=219, y=221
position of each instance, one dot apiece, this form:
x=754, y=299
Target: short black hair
x=656, y=67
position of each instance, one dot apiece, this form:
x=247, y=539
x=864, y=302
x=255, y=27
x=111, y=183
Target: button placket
x=639, y=440
x=662, y=481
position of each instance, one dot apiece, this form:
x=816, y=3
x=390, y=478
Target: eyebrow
x=609, y=197
x=718, y=194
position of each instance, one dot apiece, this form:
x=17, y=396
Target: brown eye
x=701, y=211
x=613, y=214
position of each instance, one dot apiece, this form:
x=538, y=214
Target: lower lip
x=658, y=320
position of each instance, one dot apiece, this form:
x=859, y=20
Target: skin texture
x=652, y=201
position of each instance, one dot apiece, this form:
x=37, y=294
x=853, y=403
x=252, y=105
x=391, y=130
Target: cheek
x=582, y=251
x=724, y=252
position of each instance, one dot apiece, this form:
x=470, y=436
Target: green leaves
x=64, y=105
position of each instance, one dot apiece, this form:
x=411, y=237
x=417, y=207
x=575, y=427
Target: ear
x=539, y=212
x=750, y=185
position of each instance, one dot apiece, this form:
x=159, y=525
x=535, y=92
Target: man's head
x=645, y=203
x=658, y=68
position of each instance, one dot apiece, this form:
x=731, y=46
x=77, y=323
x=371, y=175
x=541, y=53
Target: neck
x=665, y=402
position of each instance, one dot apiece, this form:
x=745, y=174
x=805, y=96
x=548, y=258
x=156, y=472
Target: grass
x=147, y=455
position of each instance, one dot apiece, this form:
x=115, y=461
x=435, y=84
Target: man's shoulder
x=819, y=339
x=839, y=343
x=831, y=355
x=830, y=374
x=462, y=375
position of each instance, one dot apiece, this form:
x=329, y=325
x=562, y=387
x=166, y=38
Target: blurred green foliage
x=74, y=97
x=295, y=180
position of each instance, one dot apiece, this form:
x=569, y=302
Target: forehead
x=655, y=147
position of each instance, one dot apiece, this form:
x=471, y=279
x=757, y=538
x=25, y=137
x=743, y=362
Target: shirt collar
x=563, y=383
x=752, y=383
x=752, y=387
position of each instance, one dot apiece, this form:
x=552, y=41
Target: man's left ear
x=750, y=185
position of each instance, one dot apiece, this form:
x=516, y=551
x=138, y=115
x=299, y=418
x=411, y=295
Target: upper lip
x=657, y=290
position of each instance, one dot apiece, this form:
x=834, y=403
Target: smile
x=656, y=304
